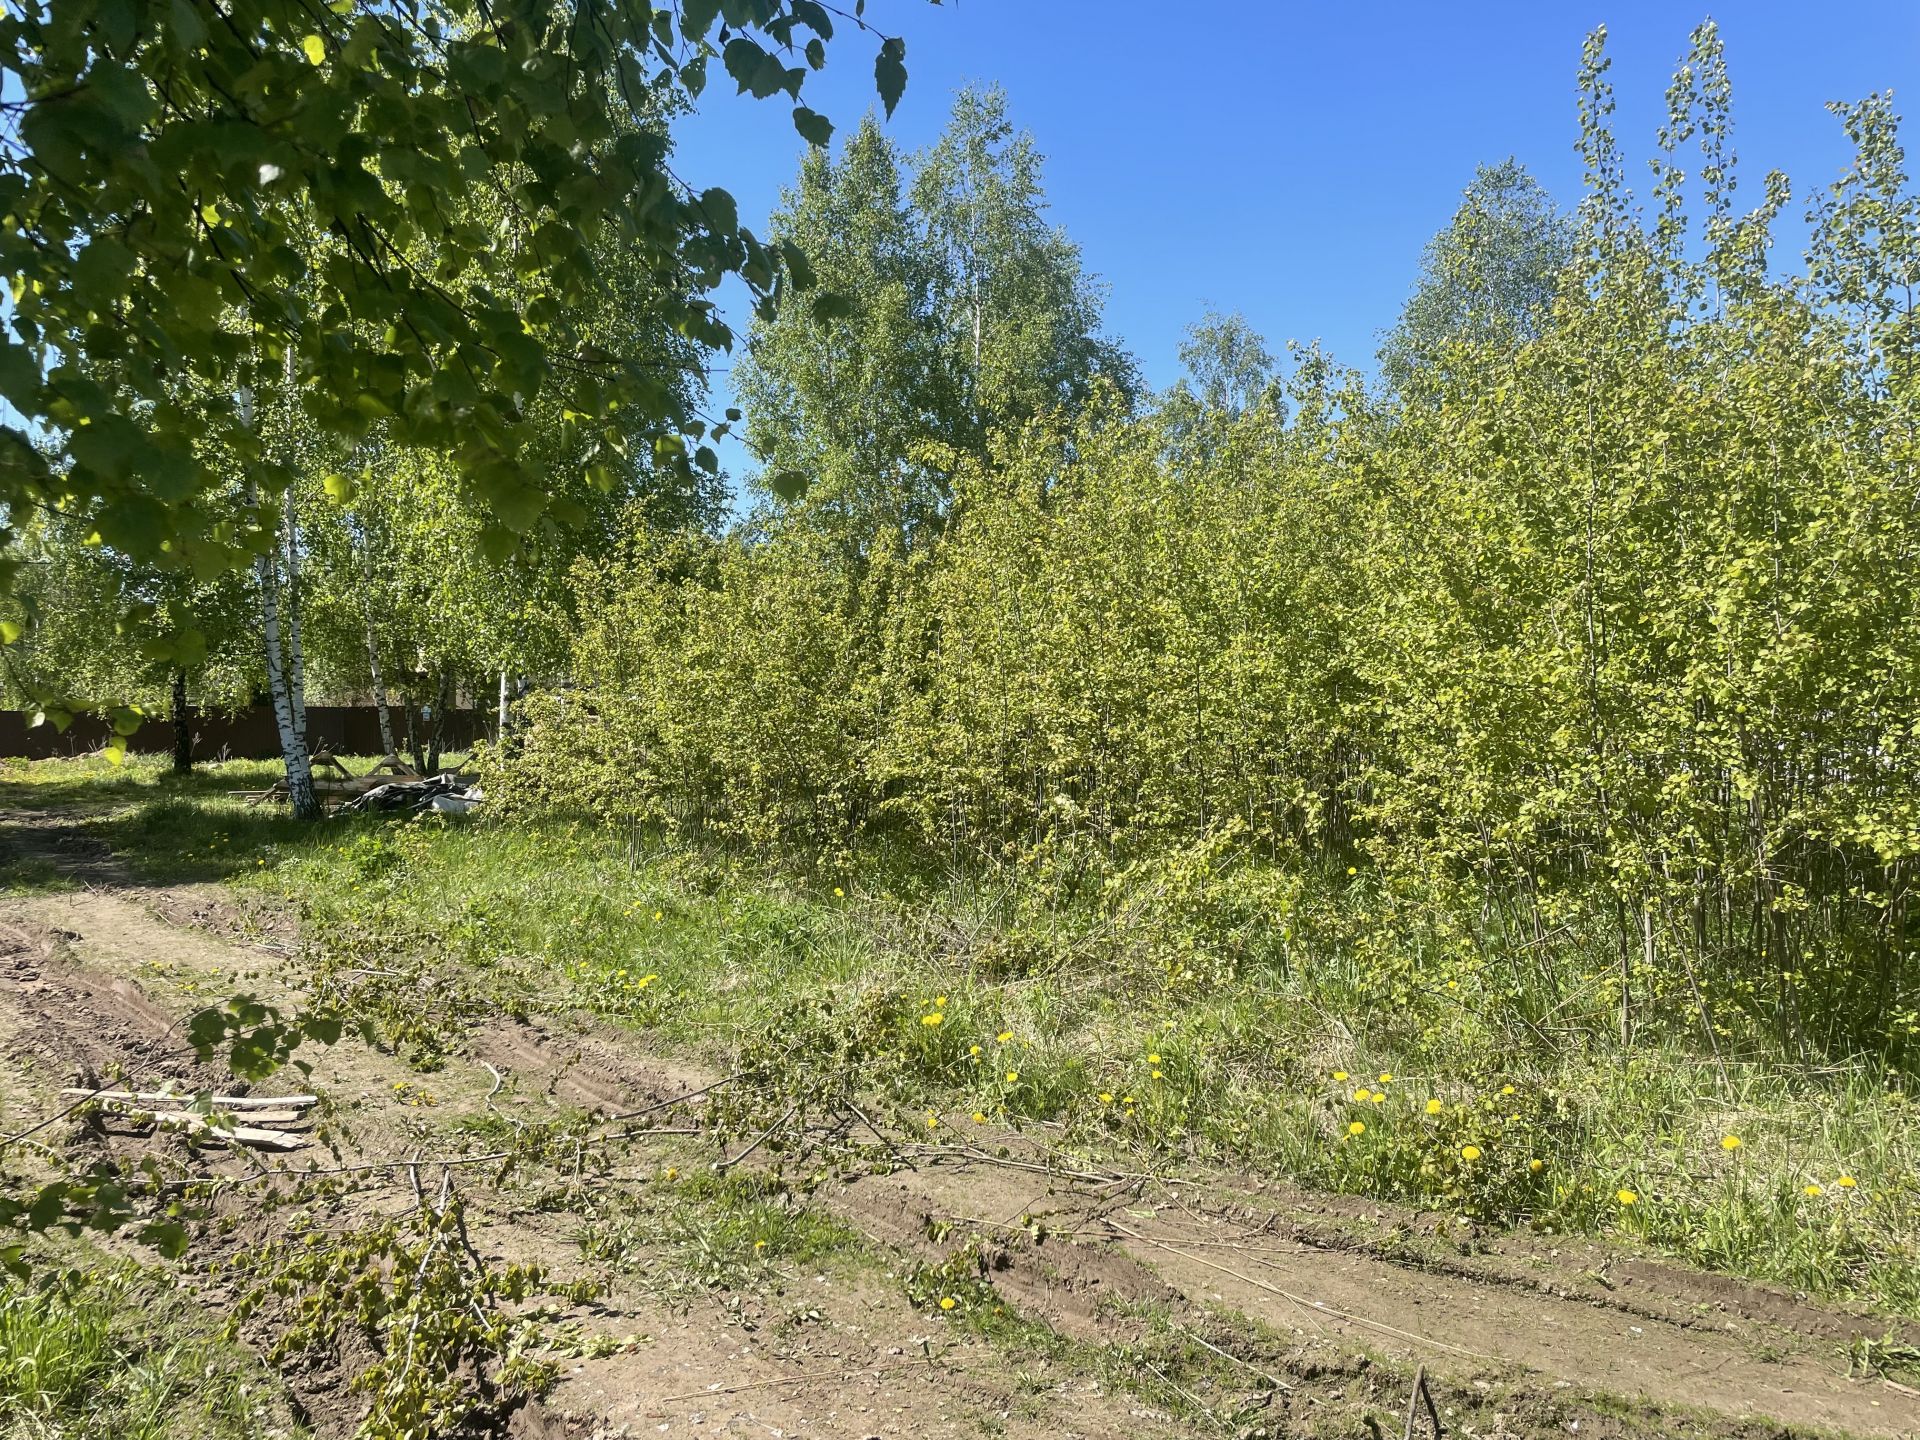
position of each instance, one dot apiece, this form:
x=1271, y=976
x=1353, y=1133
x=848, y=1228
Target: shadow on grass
x=65, y=824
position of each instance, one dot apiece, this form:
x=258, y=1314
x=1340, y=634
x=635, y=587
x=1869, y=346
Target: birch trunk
x=297, y=678
x=373, y=647
x=293, y=745
x=500, y=739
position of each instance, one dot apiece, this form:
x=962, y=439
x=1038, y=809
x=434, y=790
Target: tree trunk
x=373, y=646
x=182, y=727
x=297, y=677
x=439, y=724
x=293, y=744
x=415, y=751
x=500, y=738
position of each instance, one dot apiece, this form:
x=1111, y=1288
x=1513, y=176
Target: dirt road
x=1088, y=1302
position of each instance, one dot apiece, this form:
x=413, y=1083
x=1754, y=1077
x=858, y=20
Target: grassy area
x=108, y=1351
x=955, y=1001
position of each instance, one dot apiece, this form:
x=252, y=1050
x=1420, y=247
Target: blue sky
x=1287, y=159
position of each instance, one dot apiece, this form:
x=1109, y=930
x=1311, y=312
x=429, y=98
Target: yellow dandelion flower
x=1106, y=1097
x=838, y=893
x=1378, y=1096
x=1812, y=1190
x=1434, y=1107
x=933, y=1019
x=1536, y=1166
x=1846, y=1182
x=672, y=1173
x=759, y=1244
x=1157, y=1075
x=1363, y=1094
x=979, y=1117
x=1126, y=1099
x=973, y=1050
x=1729, y=1142
x=1012, y=1075
x=1453, y=984
x=1153, y=1059
x=1506, y=1090
x=657, y=914
x=1469, y=1152
x=1358, y=1127
x=1625, y=1197
x=1353, y=869
x=1004, y=1036
x=940, y=1000
x=1339, y=1075
x=947, y=1302
x=933, y=1121
x=1385, y=1078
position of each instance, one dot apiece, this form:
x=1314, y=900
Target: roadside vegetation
x=948, y=1004
x=1490, y=791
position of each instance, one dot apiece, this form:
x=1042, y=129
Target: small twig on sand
x=759, y=1140
x=1420, y=1392
x=1201, y=1340
x=812, y=1377
x=884, y=1138
x=678, y=1099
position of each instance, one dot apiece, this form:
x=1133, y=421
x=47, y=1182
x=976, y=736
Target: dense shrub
x=1600, y=644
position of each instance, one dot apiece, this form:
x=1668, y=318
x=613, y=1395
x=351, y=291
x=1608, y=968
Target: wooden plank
x=187, y=1097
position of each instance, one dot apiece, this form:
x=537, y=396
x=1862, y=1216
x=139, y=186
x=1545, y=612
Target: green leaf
x=830, y=306
x=10, y=631
x=814, y=128
x=753, y=69
x=720, y=211
x=315, y=49
x=890, y=73
x=697, y=17
x=169, y=1237
x=789, y=485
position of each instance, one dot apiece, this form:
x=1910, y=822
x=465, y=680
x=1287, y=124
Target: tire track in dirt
x=1665, y=1337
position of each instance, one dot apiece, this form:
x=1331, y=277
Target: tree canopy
x=1489, y=277
x=968, y=312
x=396, y=215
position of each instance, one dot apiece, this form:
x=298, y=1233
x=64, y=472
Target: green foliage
x=1607, y=633
x=450, y=1344
x=1488, y=279
x=394, y=222
x=966, y=311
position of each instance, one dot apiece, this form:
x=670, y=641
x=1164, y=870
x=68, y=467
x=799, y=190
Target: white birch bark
x=293, y=745
x=297, y=655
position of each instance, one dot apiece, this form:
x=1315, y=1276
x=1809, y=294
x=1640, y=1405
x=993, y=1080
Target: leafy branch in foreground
x=391, y=214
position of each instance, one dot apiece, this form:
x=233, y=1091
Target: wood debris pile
x=390, y=785
x=264, y=1116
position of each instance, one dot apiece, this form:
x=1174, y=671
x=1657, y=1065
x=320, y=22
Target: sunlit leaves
x=384, y=221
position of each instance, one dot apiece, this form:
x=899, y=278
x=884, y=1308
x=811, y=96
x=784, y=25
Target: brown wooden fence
x=240, y=735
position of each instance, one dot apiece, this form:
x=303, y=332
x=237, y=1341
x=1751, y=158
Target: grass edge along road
x=953, y=1004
